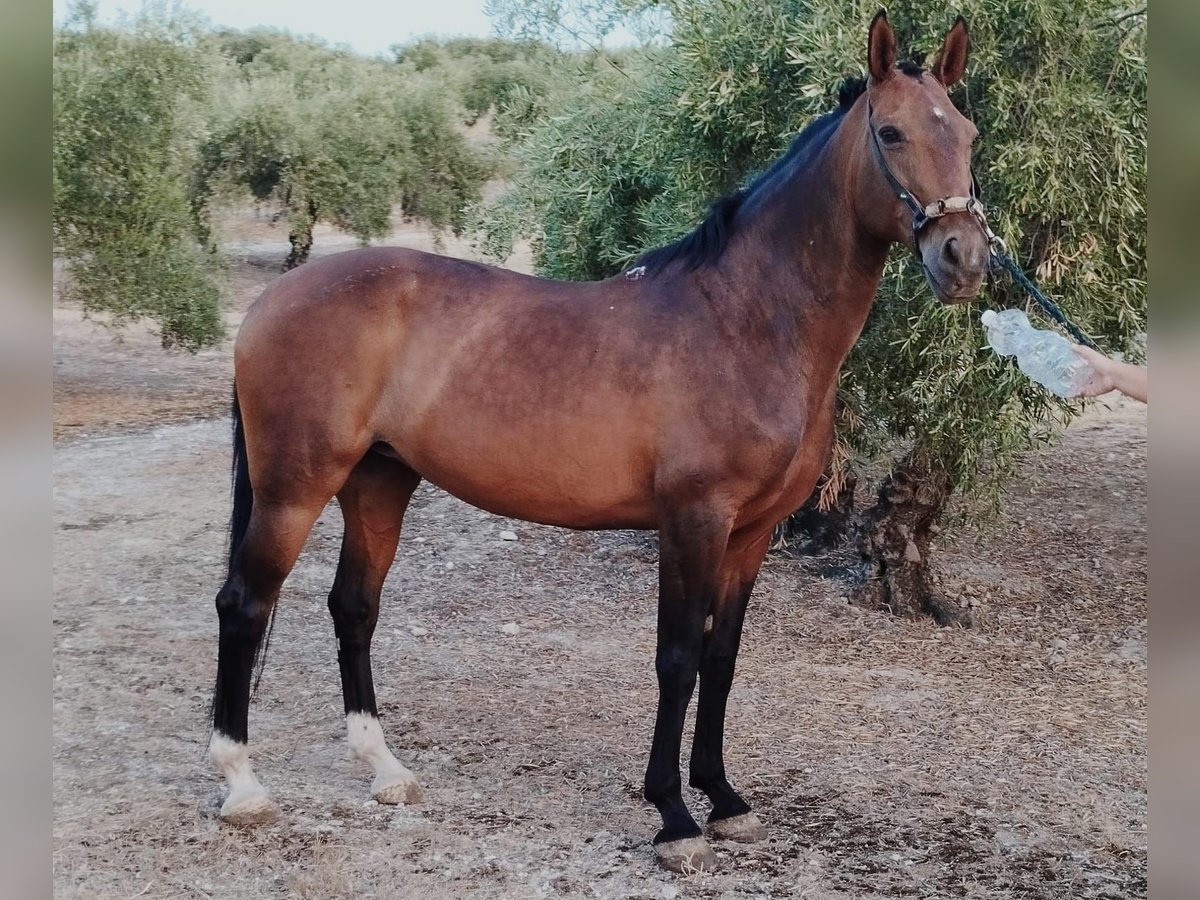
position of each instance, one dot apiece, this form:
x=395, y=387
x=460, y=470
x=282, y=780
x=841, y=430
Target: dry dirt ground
x=888, y=758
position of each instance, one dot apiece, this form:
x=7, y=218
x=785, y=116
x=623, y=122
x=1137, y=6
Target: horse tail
x=243, y=494
x=239, y=523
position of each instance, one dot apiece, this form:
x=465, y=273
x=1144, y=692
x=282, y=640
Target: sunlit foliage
x=128, y=109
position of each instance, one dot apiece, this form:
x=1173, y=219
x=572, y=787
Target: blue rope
x=1052, y=309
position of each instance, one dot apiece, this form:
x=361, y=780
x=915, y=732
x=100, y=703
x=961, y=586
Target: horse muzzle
x=955, y=259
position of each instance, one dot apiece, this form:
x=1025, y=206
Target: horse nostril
x=951, y=252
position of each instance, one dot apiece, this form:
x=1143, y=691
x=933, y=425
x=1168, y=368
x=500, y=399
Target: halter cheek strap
x=922, y=215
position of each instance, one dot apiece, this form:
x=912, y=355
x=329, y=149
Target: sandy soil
x=888, y=758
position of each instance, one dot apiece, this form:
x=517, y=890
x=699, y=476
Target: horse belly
x=571, y=477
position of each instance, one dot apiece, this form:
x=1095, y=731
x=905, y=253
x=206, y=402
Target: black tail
x=243, y=495
x=239, y=523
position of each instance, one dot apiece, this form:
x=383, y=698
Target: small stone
x=449, y=565
x=511, y=628
x=418, y=631
x=508, y=535
x=370, y=803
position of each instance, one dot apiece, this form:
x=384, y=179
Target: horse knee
x=717, y=671
x=677, y=667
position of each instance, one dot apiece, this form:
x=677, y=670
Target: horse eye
x=889, y=134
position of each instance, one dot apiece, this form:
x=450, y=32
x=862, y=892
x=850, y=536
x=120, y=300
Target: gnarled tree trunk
x=895, y=537
x=301, y=239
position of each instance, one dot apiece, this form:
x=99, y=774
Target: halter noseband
x=923, y=215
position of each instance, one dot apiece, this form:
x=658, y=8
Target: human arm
x=1112, y=375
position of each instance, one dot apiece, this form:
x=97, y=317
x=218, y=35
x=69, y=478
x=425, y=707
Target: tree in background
x=159, y=121
x=629, y=159
x=128, y=106
x=488, y=74
x=330, y=136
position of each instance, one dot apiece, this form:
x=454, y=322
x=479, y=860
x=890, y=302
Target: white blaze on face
x=939, y=114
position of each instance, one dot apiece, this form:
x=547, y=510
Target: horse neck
x=800, y=266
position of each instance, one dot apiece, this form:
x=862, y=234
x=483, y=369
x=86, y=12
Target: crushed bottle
x=1045, y=356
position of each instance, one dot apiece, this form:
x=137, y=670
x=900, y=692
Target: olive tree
x=628, y=160
x=328, y=136
x=128, y=106
x=487, y=74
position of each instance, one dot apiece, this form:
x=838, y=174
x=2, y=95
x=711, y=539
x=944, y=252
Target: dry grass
x=887, y=758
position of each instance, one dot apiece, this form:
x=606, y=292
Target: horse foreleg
x=731, y=818
x=373, y=502
x=692, y=544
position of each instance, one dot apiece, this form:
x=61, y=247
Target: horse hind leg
x=261, y=562
x=373, y=503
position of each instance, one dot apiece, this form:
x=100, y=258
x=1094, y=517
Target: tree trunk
x=301, y=239
x=811, y=529
x=895, y=538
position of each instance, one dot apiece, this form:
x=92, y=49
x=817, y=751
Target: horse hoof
x=686, y=855
x=397, y=791
x=255, y=809
x=745, y=829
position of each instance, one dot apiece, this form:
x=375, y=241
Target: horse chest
x=798, y=462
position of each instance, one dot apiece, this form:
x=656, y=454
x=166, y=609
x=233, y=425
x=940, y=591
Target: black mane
x=705, y=243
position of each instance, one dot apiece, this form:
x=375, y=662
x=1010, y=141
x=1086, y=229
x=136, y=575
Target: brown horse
x=692, y=394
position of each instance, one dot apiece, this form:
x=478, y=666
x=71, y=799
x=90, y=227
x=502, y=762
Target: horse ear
x=951, y=61
x=881, y=47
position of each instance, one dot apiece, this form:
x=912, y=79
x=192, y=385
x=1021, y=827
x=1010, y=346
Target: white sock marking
x=369, y=745
x=232, y=759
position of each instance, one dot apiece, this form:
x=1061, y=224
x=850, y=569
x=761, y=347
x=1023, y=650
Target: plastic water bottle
x=1045, y=356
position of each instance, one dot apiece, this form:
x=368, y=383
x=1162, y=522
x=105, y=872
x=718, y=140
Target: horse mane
x=707, y=241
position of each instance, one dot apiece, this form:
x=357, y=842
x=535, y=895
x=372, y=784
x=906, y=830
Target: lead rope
x=1049, y=307
x=1001, y=258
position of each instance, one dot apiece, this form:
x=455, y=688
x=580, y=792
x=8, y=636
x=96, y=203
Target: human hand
x=1112, y=375
x=1100, y=378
